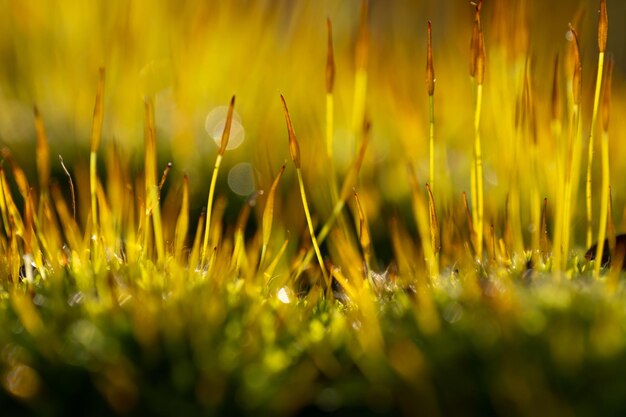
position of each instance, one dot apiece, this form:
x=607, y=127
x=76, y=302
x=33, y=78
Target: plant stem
x=604, y=204
x=431, y=118
x=596, y=104
x=479, y=173
x=207, y=228
x=307, y=213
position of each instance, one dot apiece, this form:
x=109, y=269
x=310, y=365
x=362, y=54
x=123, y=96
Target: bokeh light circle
x=241, y=179
x=214, y=125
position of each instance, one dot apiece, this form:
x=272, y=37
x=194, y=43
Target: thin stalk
x=330, y=110
x=96, y=134
x=216, y=169
x=71, y=183
x=3, y=206
x=207, y=227
x=360, y=80
x=195, y=247
x=348, y=184
x=605, y=199
x=43, y=160
x=330, y=105
x=556, y=131
x=596, y=104
x=479, y=173
x=182, y=224
x=603, y=26
x=477, y=73
x=268, y=216
x=575, y=143
x=423, y=219
x=153, y=208
x=431, y=123
x=604, y=204
x=435, y=234
x=307, y=213
x=571, y=178
x=294, y=151
x=430, y=87
x=365, y=239
x=272, y=266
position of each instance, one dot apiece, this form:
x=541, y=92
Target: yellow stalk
x=477, y=72
x=166, y=171
x=272, y=266
x=434, y=230
x=431, y=117
x=574, y=157
x=268, y=215
x=153, y=210
x=364, y=234
x=330, y=84
x=543, y=239
x=238, y=260
x=434, y=222
x=556, y=130
x=182, y=224
x=42, y=154
x=604, y=202
x=605, y=199
x=16, y=225
x=216, y=168
x=360, y=80
x=430, y=87
x=330, y=110
x=3, y=205
x=311, y=228
x=194, y=256
x=330, y=105
x=492, y=246
x=421, y=214
x=479, y=174
x=468, y=216
x=70, y=228
x=96, y=134
x=571, y=178
x=349, y=183
x=71, y=183
x=294, y=151
x=610, y=227
x=596, y=103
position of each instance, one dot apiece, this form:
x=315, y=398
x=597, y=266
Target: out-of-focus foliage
x=123, y=290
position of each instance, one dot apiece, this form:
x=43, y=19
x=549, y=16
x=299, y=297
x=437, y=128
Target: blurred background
x=193, y=55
